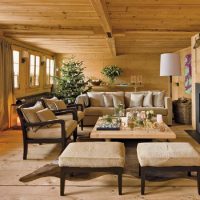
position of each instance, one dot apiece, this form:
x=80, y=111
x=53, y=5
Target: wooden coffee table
x=137, y=133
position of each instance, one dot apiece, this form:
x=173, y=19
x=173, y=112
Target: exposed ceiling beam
x=102, y=12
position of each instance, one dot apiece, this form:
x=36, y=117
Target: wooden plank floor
x=12, y=167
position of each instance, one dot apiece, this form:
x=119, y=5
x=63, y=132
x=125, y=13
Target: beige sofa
x=103, y=103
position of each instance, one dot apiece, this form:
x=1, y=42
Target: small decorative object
x=140, y=119
x=188, y=74
x=111, y=72
x=136, y=81
x=108, y=122
x=119, y=111
x=159, y=118
x=95, y=81
x=162, y=127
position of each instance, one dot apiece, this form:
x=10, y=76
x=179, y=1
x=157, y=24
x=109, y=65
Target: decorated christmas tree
x=71, y=81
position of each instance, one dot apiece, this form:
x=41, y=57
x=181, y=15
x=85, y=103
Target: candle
x=159, y=118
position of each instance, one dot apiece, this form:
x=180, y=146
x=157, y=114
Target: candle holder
x=136, y=81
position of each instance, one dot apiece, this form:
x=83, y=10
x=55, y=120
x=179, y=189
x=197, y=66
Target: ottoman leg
x=62, y=181
x=198, y=181
x=120, y=183
x=139, y=170
x=142, y=180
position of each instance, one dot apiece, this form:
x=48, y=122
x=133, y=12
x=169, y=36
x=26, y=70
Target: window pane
x=16, y=68
x=15, y=56
x=32, y=60
x=37, y=61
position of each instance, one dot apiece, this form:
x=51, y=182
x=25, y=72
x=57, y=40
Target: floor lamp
x=170, y=66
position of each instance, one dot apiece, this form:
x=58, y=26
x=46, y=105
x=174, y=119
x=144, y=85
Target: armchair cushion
x=50, y=103
x=53, y=131
x=60, y=104
x=45, y=115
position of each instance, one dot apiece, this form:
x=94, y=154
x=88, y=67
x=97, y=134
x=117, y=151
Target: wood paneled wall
x=147, y=65
x=179, y=91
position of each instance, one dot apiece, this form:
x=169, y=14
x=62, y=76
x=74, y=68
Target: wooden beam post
x=102, y=12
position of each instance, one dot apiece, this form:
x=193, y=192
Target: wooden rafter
x=101, y=10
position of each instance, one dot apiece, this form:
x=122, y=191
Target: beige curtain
x=6, y=83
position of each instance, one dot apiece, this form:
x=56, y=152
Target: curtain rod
x=30, y=47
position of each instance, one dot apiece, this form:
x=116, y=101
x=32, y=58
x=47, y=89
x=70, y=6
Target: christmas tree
x=71, y=81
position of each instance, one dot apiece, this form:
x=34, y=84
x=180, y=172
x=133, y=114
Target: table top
x=137, y=133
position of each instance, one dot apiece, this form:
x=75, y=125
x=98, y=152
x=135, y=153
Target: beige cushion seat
x=165, y=154
x=80, y=115
x=93, y=154
x=53, y=131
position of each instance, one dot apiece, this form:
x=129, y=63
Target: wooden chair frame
x=69, y=170
x=188, y=169
x=25, y=125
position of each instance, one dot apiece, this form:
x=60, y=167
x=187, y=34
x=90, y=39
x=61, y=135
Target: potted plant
x=111, y=72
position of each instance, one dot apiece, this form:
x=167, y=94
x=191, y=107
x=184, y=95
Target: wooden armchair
x=51, y=131
x=60, y=112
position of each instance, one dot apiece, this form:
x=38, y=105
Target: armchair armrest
x=77, y=106
x=72, y=111
x=168, y=105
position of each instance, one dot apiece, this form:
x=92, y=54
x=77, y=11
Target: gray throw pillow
x=136, y=100
x=158, y=99
x=148, y=100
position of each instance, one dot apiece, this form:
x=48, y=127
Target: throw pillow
x=148, y=100
x=45, y=115
x=118, y=100
x=108, y=100
x=30, y=113
x=136, y=100
x=96, y=99
x=60, y=104
x=50, y=103
x=158, y=99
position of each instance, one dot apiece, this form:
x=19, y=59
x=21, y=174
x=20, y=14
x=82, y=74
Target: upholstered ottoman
x=92, y=157
x=167, y=157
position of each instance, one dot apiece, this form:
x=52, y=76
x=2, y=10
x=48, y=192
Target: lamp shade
x=170, y=64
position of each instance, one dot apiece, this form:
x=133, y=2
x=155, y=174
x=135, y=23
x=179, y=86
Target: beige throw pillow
x=30, y=113
x=148, y=100
x=118, y=100
x=136, y=100
x=108, y=100
x=158, y=99
x=60, y=104
x=46, y=115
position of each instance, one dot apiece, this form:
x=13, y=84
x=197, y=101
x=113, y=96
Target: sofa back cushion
x=148, y=100
x=136, y=100
x=158, y=99
x=127, y=97
x=118, y=97
x=96, y=99
x=108, y=100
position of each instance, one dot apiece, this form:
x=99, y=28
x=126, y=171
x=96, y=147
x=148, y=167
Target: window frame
x=13, y=63
x=29, y=70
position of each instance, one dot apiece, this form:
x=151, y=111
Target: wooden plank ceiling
x=102, y=26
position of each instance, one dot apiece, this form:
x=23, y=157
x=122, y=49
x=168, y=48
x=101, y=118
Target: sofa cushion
x=93, y=154
x=158, y=99
x=148, y=99
x=117, y=99
x=136, y=100
x=96, y=99
x=99, y=111
x=167, y=154
x=157, y=110
x=108, y=100
x=45, y=115
x=53, y=131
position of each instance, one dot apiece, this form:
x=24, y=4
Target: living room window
x=16, y=58
x=50, y=71
x=34, y=72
